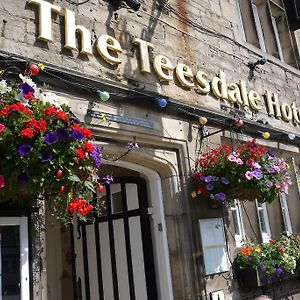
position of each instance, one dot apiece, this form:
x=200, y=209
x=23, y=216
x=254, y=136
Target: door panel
x=114, y=256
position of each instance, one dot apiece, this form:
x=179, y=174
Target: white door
x=14, y=266
x=114, y=256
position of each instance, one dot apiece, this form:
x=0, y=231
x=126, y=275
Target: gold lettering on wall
x=45, y=22
x=185, y=75
x=106, y=46
x=254, y=100
x=234, y=94
x=202, y=84
x=273, y=106
x=110, y=50
x=70, y=34
x=163, y=68
x=219, y=86
x=144, y=54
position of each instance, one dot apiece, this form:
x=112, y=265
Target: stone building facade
x=187, y=52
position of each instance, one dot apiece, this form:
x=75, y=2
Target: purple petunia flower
x=77, y=135
x=24, y=149
x=220, y=196
x=215, y=178
x=23, y=178
x=131, y=146
x=269, y=184
x=225, y=180
x=96, y=155
x=108, y=179
x=26, y=89
x=209, y=187
x=250, y=258
x=271, y=170
x=51, y=138
x=46, y=156
x=279, y=271
x=257, y=173
x=63, y=133
x=207, y=178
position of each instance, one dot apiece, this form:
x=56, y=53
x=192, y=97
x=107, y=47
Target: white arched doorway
x=131, y=230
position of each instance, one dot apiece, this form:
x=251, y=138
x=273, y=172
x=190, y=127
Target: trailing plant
x=274, y=257
x=46, y=152
x=247, y=172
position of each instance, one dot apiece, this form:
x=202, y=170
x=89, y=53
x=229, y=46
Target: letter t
x=45, y=9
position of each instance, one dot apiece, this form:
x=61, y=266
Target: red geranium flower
x=80, y=153
x=28, y=132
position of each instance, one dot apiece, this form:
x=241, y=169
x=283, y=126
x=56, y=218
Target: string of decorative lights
x=199, y=114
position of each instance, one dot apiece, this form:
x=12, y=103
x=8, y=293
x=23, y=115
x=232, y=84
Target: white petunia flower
x=3, y=87
x=52, y=98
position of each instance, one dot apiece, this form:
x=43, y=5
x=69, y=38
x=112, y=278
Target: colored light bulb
x=104, y=96
x=162, y=102
x=202, y=120
x=266, y=135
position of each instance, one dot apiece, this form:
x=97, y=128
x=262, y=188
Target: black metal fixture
x=133, y=4
x=252, y=66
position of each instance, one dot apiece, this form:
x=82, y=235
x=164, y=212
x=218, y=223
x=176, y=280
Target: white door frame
x=160, y=242
x=22, y=222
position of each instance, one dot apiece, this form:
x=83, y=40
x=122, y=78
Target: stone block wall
x=202, y=34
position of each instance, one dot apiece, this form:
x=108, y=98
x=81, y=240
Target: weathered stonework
x=205, y=36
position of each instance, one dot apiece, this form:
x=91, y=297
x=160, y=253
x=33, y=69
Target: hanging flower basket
x=45, y=152
x=247, y=172
x=259, y=264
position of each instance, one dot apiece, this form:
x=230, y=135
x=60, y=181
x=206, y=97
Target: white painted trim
x=285, y=213
x=160, y=242
x=24, y=251
x=259, y=29
x=240, y=20
x=239, y=238
x=266, y=236
x=277, y=38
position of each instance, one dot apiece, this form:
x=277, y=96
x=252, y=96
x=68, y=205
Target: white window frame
x=258, y=27
x=262, y=207
x=277, y=39
x=239, y=238
x=285, y=214
x=240, y=19
x=22, y=222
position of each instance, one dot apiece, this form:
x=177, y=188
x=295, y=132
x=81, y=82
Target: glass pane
x=262, y=220
x=116, y=198
x=236, y=224
x=132, y=196
x=10, y=262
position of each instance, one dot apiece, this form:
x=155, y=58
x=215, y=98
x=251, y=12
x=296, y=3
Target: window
x=265, y=26
x=263, y=221
x=239, y=233
x=285, y=214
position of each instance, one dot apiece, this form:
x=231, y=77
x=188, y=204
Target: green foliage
x=274, y=257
